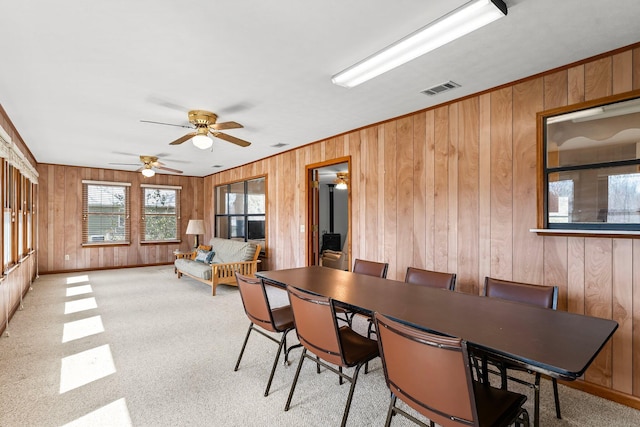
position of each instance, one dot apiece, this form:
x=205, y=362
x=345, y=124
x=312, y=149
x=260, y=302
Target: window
x=160, y=218
x=591, y=166
x=105, y=213
x=241, y=211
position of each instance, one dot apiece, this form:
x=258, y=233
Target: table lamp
x=196, y=227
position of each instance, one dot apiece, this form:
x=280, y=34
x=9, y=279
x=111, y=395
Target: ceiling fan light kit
x=341, y=180
x=204, y=123
x=461, y=21
x=202, y=141
x=148, y=172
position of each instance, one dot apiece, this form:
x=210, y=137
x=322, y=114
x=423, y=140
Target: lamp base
x=197, y=242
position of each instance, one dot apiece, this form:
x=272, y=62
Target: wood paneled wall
x=453, y=188
x=60, y=222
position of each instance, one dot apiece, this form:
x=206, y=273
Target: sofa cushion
x=232, y=250
x=196, y=269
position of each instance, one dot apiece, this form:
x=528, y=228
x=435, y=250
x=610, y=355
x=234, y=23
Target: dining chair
x=433, y=279
x=368, y=268
x=432, y=375
x=264, y=318
x=541, y=296
x=329, y=345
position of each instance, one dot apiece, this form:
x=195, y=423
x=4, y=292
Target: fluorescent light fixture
x=148, y=172
x=463, y=20
x=202, y=141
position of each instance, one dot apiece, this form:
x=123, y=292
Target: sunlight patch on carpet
x=82, y=328
x=79, y=290
x=82, y=368
x=114, y=414
x=80, y=305
x=77, y=279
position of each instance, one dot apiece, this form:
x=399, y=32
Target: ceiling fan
x=204, y=123
x=149, y=163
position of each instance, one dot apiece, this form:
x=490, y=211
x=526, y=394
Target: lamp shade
x=195, y=226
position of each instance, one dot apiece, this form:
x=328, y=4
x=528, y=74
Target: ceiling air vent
x=443, y=87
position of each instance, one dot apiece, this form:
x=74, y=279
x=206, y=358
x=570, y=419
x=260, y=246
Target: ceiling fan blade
x=169, y=169
x=232, y=139
x=225, y=125
x=183, y=139
x=167, y=124
x=125, y=164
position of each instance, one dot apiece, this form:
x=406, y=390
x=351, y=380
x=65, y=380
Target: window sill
x=160, y=242
x=620, y=234
x=98, y=244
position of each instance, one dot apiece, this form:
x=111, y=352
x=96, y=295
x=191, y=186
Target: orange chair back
x=540, y=296
x=370, y=268
x=433, y=279
x=428, y=372
x=316, y=325
x=255, y=301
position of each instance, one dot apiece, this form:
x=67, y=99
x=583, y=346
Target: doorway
x=329, y=207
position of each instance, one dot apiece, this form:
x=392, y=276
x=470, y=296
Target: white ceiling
x=76, y=77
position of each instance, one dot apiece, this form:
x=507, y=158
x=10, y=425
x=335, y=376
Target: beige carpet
x=140, y=347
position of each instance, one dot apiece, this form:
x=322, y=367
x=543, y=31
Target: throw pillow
x=202, y=256
x=210, y=257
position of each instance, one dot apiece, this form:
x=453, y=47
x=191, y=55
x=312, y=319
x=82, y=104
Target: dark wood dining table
x=556, y=343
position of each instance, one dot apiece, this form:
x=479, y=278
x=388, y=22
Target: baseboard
x=115, y=267
x=604, y=392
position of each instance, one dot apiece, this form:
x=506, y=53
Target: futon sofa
x=218, y=262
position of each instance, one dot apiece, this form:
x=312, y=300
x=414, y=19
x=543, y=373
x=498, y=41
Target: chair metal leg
x=556, y=398
x=351, y=389
x=370, y=331
x=340, y=380
x=283, y=343
x=390, y=412
x=243, y=346
x=295, y=379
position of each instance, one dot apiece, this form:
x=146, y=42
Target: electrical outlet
x=66, y=257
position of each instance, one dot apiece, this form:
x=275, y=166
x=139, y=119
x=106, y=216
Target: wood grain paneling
x=404, y=201
x=60, y=225
x=598, y=297
x=622, y=363
x=527, y=253
x=468, y=189
x=501, y=218
x=484, y=190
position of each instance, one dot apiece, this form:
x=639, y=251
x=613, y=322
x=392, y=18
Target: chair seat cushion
x=282, y=318
x=496, y=407
x=355, y=347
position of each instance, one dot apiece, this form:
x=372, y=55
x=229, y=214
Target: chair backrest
x=538, y=295
x=316, y=326
x=428, y=372
x=370, y=268
x=255, y=301
x=433, y=279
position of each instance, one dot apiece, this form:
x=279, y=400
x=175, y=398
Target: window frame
x=245, y=216
x=86, y=214
x=143, y=213
x=544, y=171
